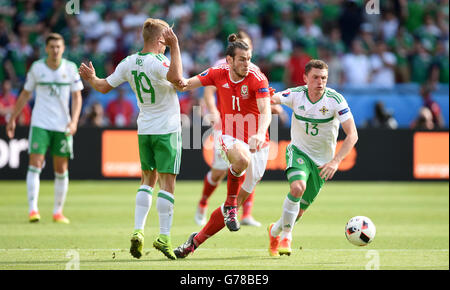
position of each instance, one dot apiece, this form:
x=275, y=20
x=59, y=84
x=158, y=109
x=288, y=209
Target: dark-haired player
x=318, y=112
x=245, y=112
x=219, y=167
x=55, y=80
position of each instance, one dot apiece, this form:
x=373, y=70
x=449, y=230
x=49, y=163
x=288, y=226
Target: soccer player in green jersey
x=310, y=157
x=53, y=79
x=152, y=77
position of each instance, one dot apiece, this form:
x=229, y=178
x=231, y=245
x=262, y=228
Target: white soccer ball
x=360, y=230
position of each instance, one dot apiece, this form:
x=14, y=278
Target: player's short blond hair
x=152, y=29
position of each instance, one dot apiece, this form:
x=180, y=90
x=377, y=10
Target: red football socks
x=233, y=186
x=248, y=205
x=208, y=189
x=214, y=225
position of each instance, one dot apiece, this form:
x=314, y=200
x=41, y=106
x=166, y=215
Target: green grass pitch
x=412, y=221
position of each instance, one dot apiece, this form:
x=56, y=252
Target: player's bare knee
x=149, y=177
x=242, y=161
x=37, y=163
x=61, y=168
x=240, y=165
x=217, y=175
x=167, y=182
x=298, y=188
x=36, y=160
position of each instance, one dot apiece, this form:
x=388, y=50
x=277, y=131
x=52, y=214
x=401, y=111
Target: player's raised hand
x=87, y=72
x=11, y=128
x=170, y=39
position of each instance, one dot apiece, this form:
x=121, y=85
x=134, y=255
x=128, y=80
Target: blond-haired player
x=151, y=76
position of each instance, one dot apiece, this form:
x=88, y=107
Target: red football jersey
x=237, y=100
x=223, y=61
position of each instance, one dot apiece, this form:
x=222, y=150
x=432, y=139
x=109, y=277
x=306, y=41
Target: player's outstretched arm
x=87, y=73
x=278, y=109
x=188, y=84
x=328, y=170
x=265, y=113
x=275, y=98
x=76, y=110
x=23, y=99
x=210, y=101
x=256, y=141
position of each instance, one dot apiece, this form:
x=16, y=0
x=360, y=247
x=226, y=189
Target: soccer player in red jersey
x=219, y=167
x=245, y=114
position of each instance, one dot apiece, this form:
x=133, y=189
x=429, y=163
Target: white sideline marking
x=248, y=250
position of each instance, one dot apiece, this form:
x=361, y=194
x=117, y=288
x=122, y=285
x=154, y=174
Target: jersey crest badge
x=244, y=91
x=324, y=110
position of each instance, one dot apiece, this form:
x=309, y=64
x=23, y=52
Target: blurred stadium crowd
x=406, y=43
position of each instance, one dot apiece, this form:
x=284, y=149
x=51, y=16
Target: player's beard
x=236, y=72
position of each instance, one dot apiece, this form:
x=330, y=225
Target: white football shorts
x=218, y=162
x=258, y=161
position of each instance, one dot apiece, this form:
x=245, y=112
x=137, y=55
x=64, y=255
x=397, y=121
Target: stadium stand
x=383, y=57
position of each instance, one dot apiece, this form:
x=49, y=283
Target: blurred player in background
x=150, y=75
x=52, y=125
x=310, y=157
x=243, y=93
